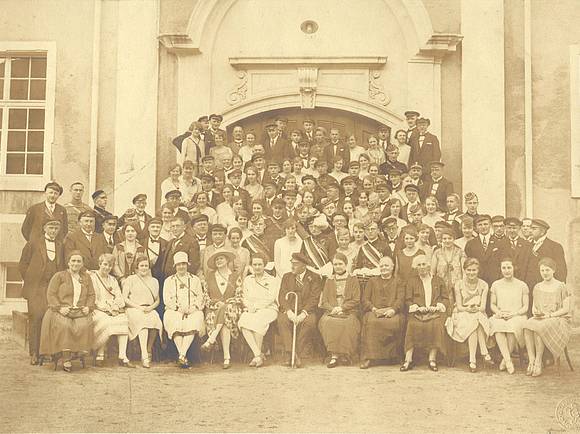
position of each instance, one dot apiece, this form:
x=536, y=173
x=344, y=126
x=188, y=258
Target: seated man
x=307, y=286
x=428, y=299
x=382, y=302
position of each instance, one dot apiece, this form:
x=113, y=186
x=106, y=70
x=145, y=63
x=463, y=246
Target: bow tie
x=151, y=240
x=48, y=239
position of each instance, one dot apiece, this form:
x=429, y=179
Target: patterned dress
x=554, y=332
x=225, y=302
x=448, y=265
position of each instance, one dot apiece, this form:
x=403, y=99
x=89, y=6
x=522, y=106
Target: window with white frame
x=12, y=281
x=26, y=115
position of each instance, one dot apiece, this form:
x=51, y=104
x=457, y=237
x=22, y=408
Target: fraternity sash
x=371, y=253
x=255, y=245
x=316, y=253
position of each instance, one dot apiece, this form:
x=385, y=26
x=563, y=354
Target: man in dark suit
x=453, y=214
x=515, y=247
x=182, y=242
x=308, y=130
x=336, y=148
x=235, y=178
x=85, y=240
x=372, y=251
x=392, y=161
x=275, y=144
x=424, y=146
x=106, y=241
x=307, y=286
x=100, y=203
x=543, y=247
x=214, y=126
x=486, y=249
x=140, y=203
x=437, y=185
x=41, y=258
x=207, y=185
x=411, y=116
x=38, y=214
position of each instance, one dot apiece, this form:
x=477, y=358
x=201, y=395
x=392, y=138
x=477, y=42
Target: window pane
x=14, y=290
x=17, y=120
x=12, y=274
x=36, y=119
x=1, y=88
x=16, y=141
x=38, y=89
x=18, y=89
x=2, y=63
x=35, y=141
x=15, y=164
x=34, y=164
x=38, y=67
x=20, y=67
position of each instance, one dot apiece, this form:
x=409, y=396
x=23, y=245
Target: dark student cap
x=278, y=202
x=55, y=186
x=199, y=218
x=300, y=257
x=481, y=217
x=498, y=219
x=257, y=155
x=307, y=177
x=140, y=196
x=216, y=116
x=87, y=213
x=442, y=225
x=394, y=172
x=512, y=221
x=436, y=163
x=410, y=113
x=97, y=193
x=540, y=223
x=203, y=118
x=155, y=220
x=206, y=177
x=218, y=228
x=348, y=179
x=354, y=164
x=111, y=217
x=415, y=165
x=52, y=222
x=424, y=121
x=172, y=193
x=207, y=158
x=412, y=187
x=388, y=221
x=235, y=172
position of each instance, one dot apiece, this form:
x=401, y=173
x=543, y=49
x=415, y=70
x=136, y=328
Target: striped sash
x=371, y=253
x=315, y=252
x=255, y=245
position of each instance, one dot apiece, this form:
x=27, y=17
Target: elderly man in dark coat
x=307, y=286
x=85, y=240
x=38, y=214
x=41, y=258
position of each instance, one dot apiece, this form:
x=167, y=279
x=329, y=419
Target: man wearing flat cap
x=85, y=240
x=100, y=204
x=392, y=161
x=437, y=185
x=485, y=249
x=39, y=213
x=544, y=247
x=514, y=246
x=307, y=285
x=41, y=258
x=140, y=203
x=411, y=117
x=412, y=195
x=215, y=121
x=424, y=146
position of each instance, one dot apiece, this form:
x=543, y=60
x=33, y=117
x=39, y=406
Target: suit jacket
x=100, y=215
x=388, y=165
x=415, y=293
x=32, y=266
x=187, y=243
x=60, y=291
x=156, y=264
x=444, y=189
x=490, y=259
x=216, y=199
x=308, y=294
x=362, y=261
x=90, y=251
x=102, y=244
x=429, y=151
x=33, y=224
x=548, y=249
x=278, y=150
x=329, y=154
x=520, y=254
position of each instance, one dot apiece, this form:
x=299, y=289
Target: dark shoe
x=433, y=365
x=406, y=366
x=297, y=362
x=34, y=360
x=333, y=363
x=208, y=346
x=345, y=360
x=366, y=364
x=287, y=361
x=99, y=363
x=126, y=364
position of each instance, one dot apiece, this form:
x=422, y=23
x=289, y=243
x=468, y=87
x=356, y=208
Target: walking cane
x=294, y=327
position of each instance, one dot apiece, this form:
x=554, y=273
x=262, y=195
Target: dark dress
x=73, y=332
x=381, y=336
x=340, y=332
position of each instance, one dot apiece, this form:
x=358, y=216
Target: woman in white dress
x=260, y=300
x=109, y=318
x=509, y=304
x=141, y=293
x=432, y=215
x=202, y=205
x=225, y=210
x=354, y=150
x=184, y=300
x=173, y=181
x=166, y=217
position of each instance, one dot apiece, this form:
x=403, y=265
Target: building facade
x=94, y=91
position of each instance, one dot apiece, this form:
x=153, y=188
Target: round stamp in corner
x=568, y=413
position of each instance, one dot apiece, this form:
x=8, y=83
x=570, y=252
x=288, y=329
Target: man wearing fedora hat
x=424, y=146
x=437, y=185
x=307, y=286
x=39, y=213
x=41, y=258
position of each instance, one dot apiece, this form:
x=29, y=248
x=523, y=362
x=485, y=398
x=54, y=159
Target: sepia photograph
x=289, y=216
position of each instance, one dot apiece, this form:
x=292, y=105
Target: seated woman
x=260, y=305
x=184, y=300
x=469, y=321
x=126, y=251
x=67, y=326
x=109, y=317
x=550, y=326
x=224, y=306
x=339, y=325
x=509, y=304
x=141, y=293
x=428, y=300
x=382, y=302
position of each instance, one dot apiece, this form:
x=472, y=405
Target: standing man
x=453, y=214
x=335, y=149
x=383, y=134
x=100, y=203
x=437, y=185
x=392, y=161
x=140, y=203
x=486, y=249
x=498, y=227
x=182, y=242
x=39, y=213
x=109, y=237
x=238, y=142
x=214, y=126
x=75, y=206
x=307, y=286
x=275, y=144
x=371, y=252
x=425, y=148
x=515, y=247
x=41, y=258
x=308, y=130
x=527, y=229
x=411, y=116
x=85, y=240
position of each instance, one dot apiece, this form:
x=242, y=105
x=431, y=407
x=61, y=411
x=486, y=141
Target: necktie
x=299, y=281
x=151, y=240
x=110, y=241
x=484, y=242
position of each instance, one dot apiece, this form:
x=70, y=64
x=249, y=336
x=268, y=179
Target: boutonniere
x=266, y=284
x=495, y=249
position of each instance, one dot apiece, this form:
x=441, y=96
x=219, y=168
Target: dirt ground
x=277, y=399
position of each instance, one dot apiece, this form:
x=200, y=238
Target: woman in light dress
x=260, y=301
x=226, y=214
x=252, y=185
x=447, y=261
x=141, y=293
x=109, y=318
x=184, y=300
x=241, y=260
x=468, y=321
x=201, y=201
x=126, y=251
x=509, y=304
x=173, y=181
x=549, y=327
x=432, y=215
x=375, y=152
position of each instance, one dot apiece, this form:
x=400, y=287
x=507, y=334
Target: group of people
x=361, y=249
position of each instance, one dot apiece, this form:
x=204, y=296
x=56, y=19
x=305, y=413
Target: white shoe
x=502, y=365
